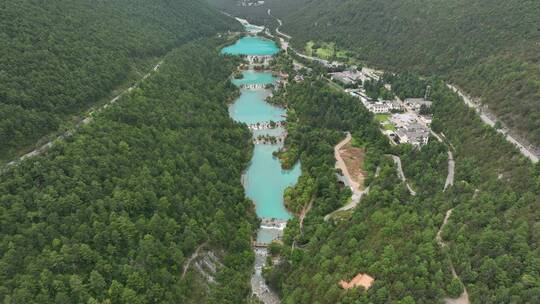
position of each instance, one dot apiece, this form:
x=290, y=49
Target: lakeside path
x=86, y=120
x=464, y=297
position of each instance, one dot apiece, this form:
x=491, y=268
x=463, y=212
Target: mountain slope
x=488, y=47
x=112, y=214
x=58, y=57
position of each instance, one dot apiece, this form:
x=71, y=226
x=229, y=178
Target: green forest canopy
x=58, y=57
x=113, y=213
x=490, y=48
x=493, y=233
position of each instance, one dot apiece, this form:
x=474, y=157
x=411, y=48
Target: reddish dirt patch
x=361, y=279
x=354, y=160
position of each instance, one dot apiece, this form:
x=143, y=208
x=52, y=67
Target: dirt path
x=401, y=175
x=304, y=212
x=301, y=217
x=340, y=164
x=451, y=164
x=191, y=258
x=451, y=169
x=86, y=120
x=355, y=187
x=464, y=297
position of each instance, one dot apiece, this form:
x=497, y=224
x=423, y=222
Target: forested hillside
x=491, y=48
x=390, y=236
x=58, y=57
x=493, y=234
x=112, y=214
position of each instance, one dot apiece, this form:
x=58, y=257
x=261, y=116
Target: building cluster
x=417, y=103
x=376, y=106
x=408, y=130
x=349, y=77
x=410, y=127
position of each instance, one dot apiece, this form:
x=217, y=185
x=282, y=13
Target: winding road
x=401, y=175
x=88, y=119
x=354, y=186
x=280, y=24
x=464, y=297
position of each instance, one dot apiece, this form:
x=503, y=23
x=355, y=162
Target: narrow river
x=264, y=180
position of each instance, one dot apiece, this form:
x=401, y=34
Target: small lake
x=251, y=108
x=265, y=182
x=254, y=77
x=252, y=46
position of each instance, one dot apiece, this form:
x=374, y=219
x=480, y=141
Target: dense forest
x=391, y=235
x=490, y=48
x=112, y=214
x=492, y=234
x=59, y=57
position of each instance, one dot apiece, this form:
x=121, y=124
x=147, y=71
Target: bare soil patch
x=354, y=160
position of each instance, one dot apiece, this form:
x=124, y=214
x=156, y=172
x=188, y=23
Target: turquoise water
x=265, y=182
x=253, y=77
x=252, y=46
x=268, y=235
x=251, y=108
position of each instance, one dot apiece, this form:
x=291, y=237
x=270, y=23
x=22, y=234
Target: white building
x=417, y=103
x=379, y=107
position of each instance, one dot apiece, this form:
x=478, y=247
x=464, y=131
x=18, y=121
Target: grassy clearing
x=382, y=117
x=384, y=120
x=390, y=127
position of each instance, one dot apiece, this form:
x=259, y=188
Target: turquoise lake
x=254, y=77
x=264, y=180
x=252, y=46
x=251, y=108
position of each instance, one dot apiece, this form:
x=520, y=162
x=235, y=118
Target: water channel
x=264, y=180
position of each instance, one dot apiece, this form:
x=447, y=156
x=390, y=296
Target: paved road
x=475, y=104
x=401, y=175
x=464, y=297
x=82, y=122
x=280, y=24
